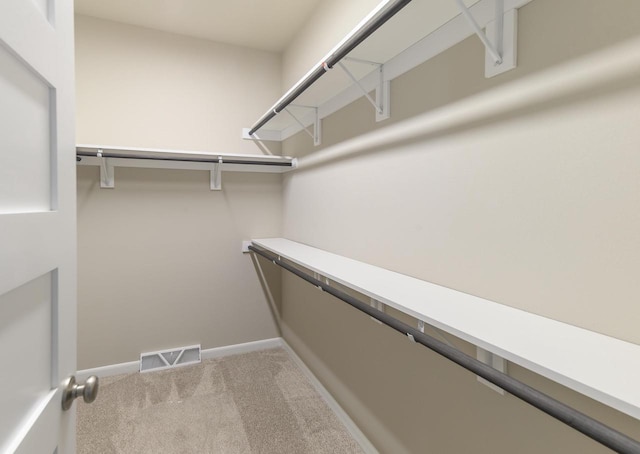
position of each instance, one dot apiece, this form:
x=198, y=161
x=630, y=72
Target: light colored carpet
x=257, y=402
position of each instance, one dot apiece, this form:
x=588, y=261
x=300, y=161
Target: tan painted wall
x=159, y=256
x=535, y=208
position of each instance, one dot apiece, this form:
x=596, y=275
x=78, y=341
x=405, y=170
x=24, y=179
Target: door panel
x=40, y=432
x=28, y=308
x=26, y=152
x=22, y=261
x=37, y=225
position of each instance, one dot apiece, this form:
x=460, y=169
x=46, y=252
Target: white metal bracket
x=107, y=180
x=382, y=103
x=216, y=176
x=494, y=361
x=316, y=135
x=383, y=96
x=499, y=38
x=422, y=325
x=505, y=32
x=318, y=277
x=379, y=306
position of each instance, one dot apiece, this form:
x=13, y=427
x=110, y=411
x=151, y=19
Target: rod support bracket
x=216, y=176
x=107, y=179
x=495, y=361
x=379, y=306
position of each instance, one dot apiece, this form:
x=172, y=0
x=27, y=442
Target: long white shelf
x=601, y=367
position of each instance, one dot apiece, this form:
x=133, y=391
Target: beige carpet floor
x=257, y=402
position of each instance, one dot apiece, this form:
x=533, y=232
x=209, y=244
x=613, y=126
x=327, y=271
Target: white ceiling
x=260, y=24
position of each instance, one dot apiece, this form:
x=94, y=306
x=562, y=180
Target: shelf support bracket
x=491, y=49
x=383, y=89
x=317, y=124
x=383, y=96
x=495, y=361
x=436, y=331
x=379, y=306
x=499, y=38
x=216, y=175
x=107, y=180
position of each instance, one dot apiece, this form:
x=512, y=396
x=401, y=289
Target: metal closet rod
x=590, y=427
x=213, y=160
x=331, y=61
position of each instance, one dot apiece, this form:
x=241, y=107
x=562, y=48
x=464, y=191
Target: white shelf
x=418, y=32
x=178, y=159
x=603, y=368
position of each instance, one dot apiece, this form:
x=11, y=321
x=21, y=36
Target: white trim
x=210, y=353
x=237, y=349
x=342, y=415
x=109, y=371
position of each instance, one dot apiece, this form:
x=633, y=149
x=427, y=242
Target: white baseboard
x=342, y=415
x=210, y=353
x=108, y=371
x=237, y=349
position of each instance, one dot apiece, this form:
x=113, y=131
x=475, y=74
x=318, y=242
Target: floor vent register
x=168, y=359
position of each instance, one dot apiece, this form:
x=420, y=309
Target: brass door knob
x=88, y=391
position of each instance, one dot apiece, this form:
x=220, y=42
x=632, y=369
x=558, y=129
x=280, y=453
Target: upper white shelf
x=416, y=33
x=601, y=367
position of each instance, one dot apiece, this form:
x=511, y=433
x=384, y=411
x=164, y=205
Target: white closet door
x=37, y=225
